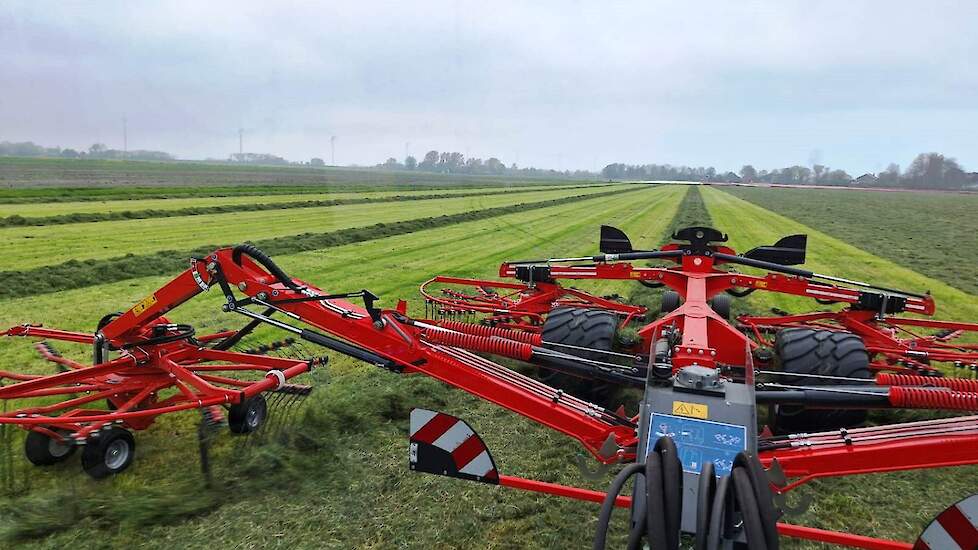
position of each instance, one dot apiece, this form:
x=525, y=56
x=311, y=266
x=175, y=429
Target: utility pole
x=240, y=143
x=125, y=137
x=332, y=150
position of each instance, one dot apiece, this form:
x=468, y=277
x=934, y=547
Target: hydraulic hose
x=740, y=293
x=746, y=490
x=608, y=506
x=658, y=519
x=704, y=500
x=262, y=259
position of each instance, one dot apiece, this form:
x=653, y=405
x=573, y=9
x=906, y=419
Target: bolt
x=242, y=286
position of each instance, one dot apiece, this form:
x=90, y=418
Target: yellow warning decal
x=760, y=284
x=143, y=305
x=692, y=410
x=635, y=275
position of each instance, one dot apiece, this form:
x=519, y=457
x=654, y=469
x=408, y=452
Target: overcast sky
x=570, y=85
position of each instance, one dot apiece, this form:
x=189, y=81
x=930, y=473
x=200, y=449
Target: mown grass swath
x=31, y=247
x=258, y=206
x=78, y=274
x=343, y=469
x=934, y=233
x=691, y=212
x=59, y=208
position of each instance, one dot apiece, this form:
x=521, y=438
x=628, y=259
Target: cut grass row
x=30, y=247
x=78, y=274
x=885, y=505
x=349, y=487
x=62, y=208
x=934, y=233
x=255, y=204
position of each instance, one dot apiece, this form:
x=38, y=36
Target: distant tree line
x=927, y=171
x=96, y=151
x=257, y=158
x=456, y=163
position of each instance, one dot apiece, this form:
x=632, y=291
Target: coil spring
x=928, y=398
x=485, y=344
x=959, y=384
x=483, y=330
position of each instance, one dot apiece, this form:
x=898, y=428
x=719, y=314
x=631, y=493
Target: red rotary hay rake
x=699, y=463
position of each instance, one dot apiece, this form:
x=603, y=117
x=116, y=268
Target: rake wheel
x=44, y=450
x=109, y=453
x=248, y=416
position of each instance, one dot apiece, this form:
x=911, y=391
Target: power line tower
x=240, y=143
x=125, y=137
x=332, y=150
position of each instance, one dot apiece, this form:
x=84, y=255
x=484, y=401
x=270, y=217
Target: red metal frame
x=135, y=380
x=524, y=307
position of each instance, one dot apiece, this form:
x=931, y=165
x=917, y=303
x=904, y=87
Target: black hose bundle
x=743, y=497
x=658, y=515
x=262, y=259
x=745, y=493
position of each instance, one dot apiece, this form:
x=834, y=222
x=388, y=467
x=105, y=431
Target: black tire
x=670, y=301
x=43, y=450
x=823, y=352
x=586, y=328
x=721, y=305
x=248, y=416
x=108, y=454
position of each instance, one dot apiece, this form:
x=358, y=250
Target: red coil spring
x=483, y=330
x=485, y=344
x=929, y=398
x=960, y=384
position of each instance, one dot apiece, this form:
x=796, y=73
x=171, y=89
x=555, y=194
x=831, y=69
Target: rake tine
x=289, y=415
x=303, y=350
x=283, y=414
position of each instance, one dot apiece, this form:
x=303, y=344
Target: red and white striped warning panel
x=953, y=529
x=444, y=445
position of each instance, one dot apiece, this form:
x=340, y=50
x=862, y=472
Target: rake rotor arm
x=384, y=338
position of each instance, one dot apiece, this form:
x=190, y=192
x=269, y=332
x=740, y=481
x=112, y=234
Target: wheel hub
x=116, y=454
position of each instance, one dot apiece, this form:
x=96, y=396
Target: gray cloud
x=547, y=83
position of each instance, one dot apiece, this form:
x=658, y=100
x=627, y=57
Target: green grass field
x=29, y=247
x=65, y=179
x=47, y=209
x=934, y=233
x=340, y=478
